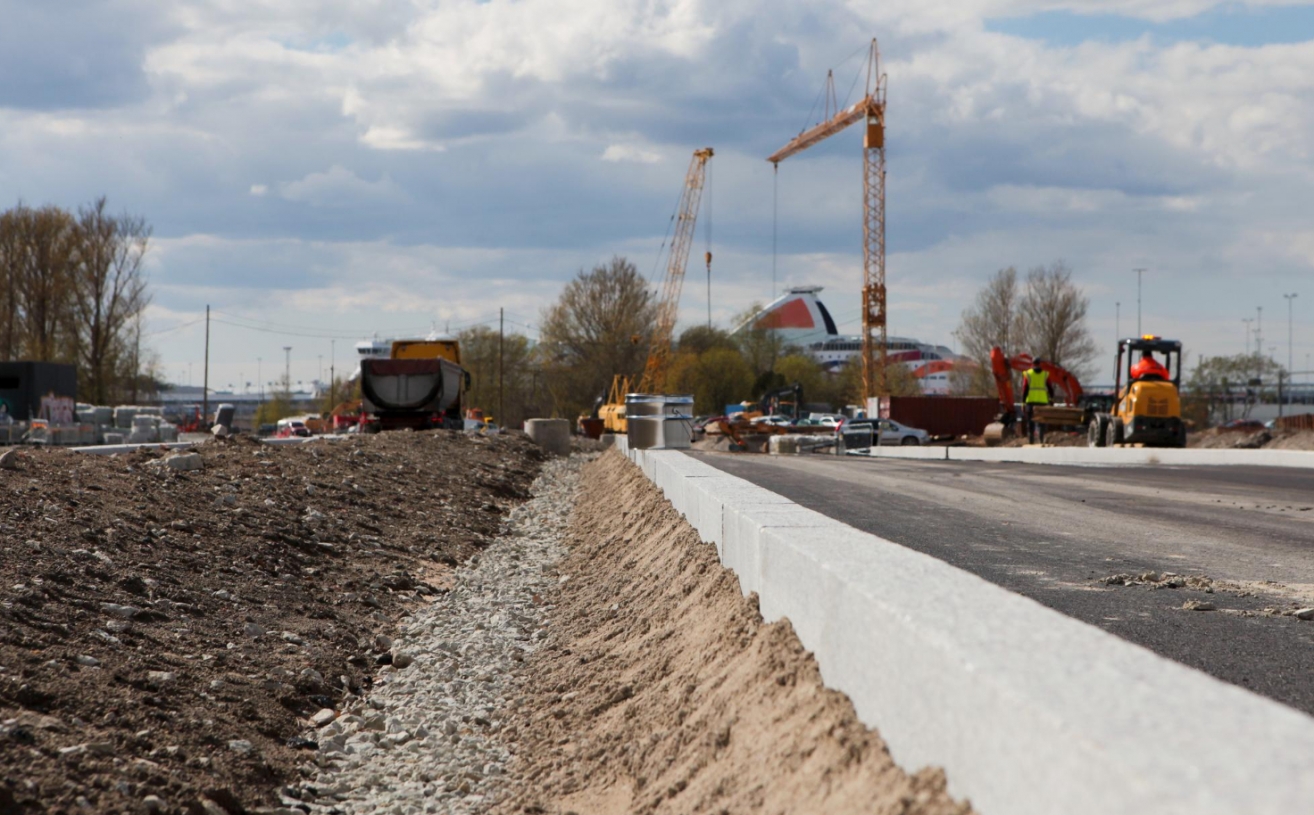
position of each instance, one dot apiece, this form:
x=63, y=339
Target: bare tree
x=521, y=380
x=992, y=320
x=600, y=327
x=109, y=293
x=1052, y=319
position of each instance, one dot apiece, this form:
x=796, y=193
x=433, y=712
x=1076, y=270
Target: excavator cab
x=1147, y=406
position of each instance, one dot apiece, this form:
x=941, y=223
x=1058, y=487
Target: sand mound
x=663, y=691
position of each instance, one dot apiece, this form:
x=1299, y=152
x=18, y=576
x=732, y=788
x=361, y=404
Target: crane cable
x=775, y=222
x=709, y=245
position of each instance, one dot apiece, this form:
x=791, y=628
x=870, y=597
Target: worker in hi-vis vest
x=1036, y=393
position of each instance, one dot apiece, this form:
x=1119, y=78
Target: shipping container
x=942, y=415
x=39, y=390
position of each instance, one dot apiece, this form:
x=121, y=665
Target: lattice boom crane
x=668, y=304
x=871, y=109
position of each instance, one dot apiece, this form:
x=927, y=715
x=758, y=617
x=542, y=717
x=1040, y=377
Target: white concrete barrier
x=1106, y=456
x=553, y=435
x=1029, y=711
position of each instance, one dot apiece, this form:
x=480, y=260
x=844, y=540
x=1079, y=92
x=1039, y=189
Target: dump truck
x=412, y=393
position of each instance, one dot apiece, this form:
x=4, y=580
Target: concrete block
x=1029, y=711
x=783, y=446
x=553, y=435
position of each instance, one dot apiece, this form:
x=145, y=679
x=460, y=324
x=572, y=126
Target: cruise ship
x=802, y=320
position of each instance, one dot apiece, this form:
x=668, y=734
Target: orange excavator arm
x=1002, y=366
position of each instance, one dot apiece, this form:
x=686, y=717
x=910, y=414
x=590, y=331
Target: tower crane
x=668, y=299
x=871, y=109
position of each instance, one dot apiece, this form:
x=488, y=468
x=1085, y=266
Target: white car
x=778, y=421
x=892, y=432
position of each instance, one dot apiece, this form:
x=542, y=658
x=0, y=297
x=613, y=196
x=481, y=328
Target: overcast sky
x=338, y=168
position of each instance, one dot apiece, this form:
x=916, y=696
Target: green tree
x=484, y=355
x=717, y=377
x=1223, y=388
x=701, y=338
x=597, y=329
x=760, y=346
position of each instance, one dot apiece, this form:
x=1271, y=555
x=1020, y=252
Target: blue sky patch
x=1227, y=25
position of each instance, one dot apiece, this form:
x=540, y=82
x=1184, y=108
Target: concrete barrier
x=1106, y=456
x=553, y=435
x=1030, y=712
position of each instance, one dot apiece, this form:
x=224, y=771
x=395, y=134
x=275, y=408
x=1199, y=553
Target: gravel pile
x=428, y=737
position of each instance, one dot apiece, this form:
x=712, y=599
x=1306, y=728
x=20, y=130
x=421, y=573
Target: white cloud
x=628, y=152
x=259, y=190
x=340, y=187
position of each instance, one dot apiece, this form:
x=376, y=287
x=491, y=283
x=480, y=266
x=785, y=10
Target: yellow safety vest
x=1037, y=390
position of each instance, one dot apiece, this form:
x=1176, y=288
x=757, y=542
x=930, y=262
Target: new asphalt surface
x=1054, y=534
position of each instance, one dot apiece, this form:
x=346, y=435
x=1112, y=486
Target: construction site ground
x=168, y=632
x=1205, y=565
x=172, y=640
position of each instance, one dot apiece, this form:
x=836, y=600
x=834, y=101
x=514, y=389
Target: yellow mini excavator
x=1147, y=409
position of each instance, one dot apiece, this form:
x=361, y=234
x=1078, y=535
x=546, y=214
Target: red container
x=942, y=415
x=592, y=428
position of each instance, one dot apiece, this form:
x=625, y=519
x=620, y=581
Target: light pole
x=1247, y=321
x=260, y=382
x=1138, y=272
x=287, y=370
x=1291, y=299
x=1259, y=330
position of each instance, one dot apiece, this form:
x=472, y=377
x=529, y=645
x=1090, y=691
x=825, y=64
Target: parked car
x=777, y=420
x=891, y=432
x=1242, y=424
x=291, y=428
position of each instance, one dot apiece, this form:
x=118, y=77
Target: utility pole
x=333, y=379
x=1117, y=323
x=1291, y=299
x=1138, y=272
x=287, y=370
x=205, y=385
x=260, y=380
x=1247, y=321
x=501, y=336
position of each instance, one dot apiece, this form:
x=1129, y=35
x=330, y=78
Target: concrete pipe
x=553, y=435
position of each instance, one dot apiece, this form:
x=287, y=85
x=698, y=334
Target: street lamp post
x=1291, y=299
x=1247, y=321
x=1138, y=272
x=287, y=370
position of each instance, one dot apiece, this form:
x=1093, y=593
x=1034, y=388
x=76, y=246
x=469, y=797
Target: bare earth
x=662, y=691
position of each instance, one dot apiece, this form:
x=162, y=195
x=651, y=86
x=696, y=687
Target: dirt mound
x=1218, y=438
x=663, y=692
x=165, y=631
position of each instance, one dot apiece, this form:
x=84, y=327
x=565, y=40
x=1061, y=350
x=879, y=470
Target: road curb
x=1106, y=457
x=1030, y=712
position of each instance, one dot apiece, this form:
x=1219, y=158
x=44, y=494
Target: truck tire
x=1113, y=433
x=1179, y=437
x=1095, y=430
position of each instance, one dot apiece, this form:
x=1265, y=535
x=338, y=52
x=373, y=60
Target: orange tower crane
x=668, y=302
x=870, y=108
x=612, y=410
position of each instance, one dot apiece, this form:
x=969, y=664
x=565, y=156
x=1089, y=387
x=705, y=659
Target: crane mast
x=668, y=303
x=870, y=109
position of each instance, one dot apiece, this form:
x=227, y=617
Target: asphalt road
x=1053, y=533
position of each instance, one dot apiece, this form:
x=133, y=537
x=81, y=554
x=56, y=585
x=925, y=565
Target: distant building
x=802, y=320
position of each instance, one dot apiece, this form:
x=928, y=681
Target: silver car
x=892, y=432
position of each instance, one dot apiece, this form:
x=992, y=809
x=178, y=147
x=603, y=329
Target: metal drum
x=659, y=422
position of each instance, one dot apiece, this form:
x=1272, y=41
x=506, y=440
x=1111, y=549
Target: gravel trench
x=428, y=739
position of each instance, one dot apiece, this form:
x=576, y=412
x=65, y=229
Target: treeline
x=601, y=326
x=72, y=289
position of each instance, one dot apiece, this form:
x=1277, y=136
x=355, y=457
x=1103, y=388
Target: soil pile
x=166, y=631
x=662, y=691
x=1219, y=438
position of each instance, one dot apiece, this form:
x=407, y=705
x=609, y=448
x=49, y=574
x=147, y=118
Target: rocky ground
x=659, y=688
x=166, y=632
x=404, y=623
